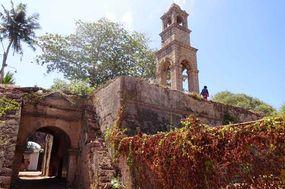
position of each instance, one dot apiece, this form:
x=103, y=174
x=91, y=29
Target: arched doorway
x=47, y=166
x=58, y=119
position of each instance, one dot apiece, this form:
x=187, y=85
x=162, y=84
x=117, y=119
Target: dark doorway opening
x=45, y=160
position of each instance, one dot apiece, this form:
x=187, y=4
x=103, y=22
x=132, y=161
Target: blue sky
x=241, y=43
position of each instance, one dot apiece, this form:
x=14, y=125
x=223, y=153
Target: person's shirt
x=205, y=92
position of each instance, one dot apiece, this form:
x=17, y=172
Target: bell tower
x=176, y=54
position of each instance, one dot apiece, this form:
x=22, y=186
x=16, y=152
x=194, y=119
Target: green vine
x=8, y=105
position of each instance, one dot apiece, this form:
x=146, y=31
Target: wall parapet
x=154, y=108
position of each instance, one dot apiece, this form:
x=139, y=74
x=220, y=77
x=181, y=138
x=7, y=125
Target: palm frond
x=18, y=27
x=8, y=78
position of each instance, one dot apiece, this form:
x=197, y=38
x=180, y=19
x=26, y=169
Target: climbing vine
x=7, y=105
x=198, y=156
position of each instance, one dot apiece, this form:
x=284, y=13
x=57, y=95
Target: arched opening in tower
x=185, y=76
x=44, y=159
x=168, y=77
x=185, y=80
x=179, y=20
x=168, y=22
x=165, y=75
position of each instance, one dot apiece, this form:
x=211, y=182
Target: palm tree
x=16, y=27
x=8, y=79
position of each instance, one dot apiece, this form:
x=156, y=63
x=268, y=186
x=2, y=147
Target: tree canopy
x=282, y=109
x=244, y=101
x=97, y=51
x=16, y=27
x=77, y=87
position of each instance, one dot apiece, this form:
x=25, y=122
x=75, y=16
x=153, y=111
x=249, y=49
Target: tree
x=76, y=87
x=244, y=101
x=97, y=51
x=282, y=109
x=16, y=27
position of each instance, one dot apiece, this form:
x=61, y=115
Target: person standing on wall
x=205, y=93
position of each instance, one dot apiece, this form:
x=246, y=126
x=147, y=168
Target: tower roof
x=174, y=5
x=174, y=8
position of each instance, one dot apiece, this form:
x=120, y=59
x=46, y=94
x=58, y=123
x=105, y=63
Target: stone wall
x=137, y=104
x=95, y=169
x=9, y=126
x=108, y=103
x=97, y=165
x=128, y=102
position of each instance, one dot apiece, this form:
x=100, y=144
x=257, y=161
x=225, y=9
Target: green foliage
x=245, y=156
x=228, y=119
x=97, y=51
x=8, y=78
x=76, y=87
x=16, y=27
x=282, y=109
x=244, y=101
x=7, y=105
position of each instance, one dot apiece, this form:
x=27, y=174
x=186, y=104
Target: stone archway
x=57, y=117
x=55, y=158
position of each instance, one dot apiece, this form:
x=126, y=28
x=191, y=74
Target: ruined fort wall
x=9, y=127
x=131, y=103
x=108, y=103
x=152, y=108
x=95, y=164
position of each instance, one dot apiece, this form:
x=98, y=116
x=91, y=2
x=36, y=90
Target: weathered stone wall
x=9, y=126
x=97, y=166
x=127, y=102
x=152, y=108
x=108, y=103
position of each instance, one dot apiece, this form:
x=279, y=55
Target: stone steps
x=103, y=165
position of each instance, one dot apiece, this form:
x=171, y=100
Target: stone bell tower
x=176, y=53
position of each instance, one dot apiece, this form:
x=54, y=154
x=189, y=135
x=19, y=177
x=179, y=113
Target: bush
x=244, y=101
